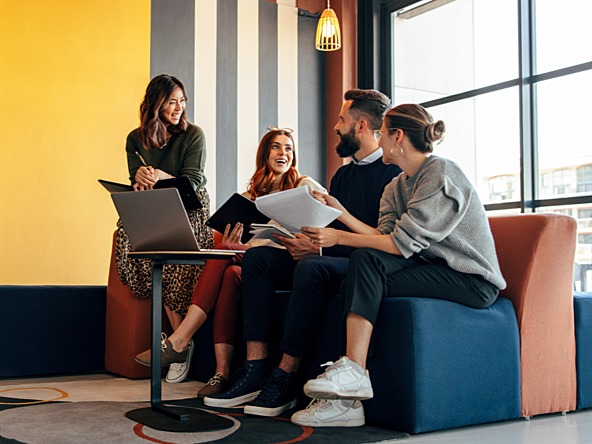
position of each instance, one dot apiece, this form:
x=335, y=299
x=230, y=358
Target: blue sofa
x=51, y=329
x=583, y=325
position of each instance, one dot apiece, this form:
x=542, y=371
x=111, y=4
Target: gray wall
x=173, y=52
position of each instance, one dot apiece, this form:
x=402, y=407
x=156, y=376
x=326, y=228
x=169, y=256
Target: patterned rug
x=94, y=411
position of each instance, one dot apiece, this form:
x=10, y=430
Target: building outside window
x=502, y=187
x=584, y=179
x=511, y=79
x=563, y=182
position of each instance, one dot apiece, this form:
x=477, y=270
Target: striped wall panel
x=247, y=64
x=172, y=42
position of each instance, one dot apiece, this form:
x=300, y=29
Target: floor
x=572, y=428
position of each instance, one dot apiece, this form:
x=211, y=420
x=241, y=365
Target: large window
x=511, y=79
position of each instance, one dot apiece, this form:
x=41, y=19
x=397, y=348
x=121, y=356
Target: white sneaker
x=331, y=413
x=340, y=381
x=179, y=371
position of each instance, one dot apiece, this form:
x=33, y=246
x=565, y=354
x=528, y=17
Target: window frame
x=526, y=81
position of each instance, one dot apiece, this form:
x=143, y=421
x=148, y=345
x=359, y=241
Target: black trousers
x=373, y=275
x=312, y=280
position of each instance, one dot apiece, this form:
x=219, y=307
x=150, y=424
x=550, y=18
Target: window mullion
x=528, y=158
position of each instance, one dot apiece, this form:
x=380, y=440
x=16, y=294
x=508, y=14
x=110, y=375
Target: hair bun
x=435, y=131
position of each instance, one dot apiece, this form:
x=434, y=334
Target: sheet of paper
x=270, y=228
x=263, y=231
x=296, y=208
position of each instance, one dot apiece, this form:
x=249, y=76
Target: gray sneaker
x=331, y=413
x=178, y=371
x=340, y=381
x=169, y=355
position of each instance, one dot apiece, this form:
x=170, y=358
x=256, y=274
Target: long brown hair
x=261, y=182
x=153, y=131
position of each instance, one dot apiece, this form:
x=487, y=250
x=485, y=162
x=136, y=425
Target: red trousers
x=219, y=292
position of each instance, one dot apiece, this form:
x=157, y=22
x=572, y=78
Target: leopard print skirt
x=178, y=281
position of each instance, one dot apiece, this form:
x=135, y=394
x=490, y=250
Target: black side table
x=185, y=416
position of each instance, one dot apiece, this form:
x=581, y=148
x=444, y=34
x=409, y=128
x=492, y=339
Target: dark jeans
x=312, y=280
x=374, y=274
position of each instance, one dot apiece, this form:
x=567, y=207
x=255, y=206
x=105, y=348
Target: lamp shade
x=328, y=32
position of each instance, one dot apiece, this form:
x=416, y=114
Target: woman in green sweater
x=166, y=145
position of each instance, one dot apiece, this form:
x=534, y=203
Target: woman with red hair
x=218, y=291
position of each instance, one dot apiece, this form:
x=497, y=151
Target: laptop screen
x=155, y=220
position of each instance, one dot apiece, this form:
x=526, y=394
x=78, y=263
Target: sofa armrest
x=536, y=254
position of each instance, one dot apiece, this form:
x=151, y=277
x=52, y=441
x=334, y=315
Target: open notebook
x=183, y=184
x=156, y=220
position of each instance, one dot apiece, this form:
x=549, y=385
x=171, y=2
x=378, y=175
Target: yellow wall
x=72, y=75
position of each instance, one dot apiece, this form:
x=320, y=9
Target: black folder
x=182, y=184
x=237, y=208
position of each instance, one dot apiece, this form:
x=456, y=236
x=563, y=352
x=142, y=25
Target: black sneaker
x=277, y=395
x=245, y=387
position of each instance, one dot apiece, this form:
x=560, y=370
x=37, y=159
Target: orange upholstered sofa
x=536, y=255
x=128, y=327
x=127, y=330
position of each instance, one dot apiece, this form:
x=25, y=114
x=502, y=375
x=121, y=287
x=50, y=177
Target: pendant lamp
x=328, y=32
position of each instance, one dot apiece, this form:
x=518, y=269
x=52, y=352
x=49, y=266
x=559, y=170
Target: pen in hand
x=141, y=159
x=150, y=182
x=149, y=168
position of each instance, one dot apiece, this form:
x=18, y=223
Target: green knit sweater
x=183, y=155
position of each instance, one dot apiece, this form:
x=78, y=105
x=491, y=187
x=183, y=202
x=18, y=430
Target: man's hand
x=300, y=247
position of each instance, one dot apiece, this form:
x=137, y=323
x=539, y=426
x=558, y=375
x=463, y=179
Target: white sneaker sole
x=313, y=422
x=183, y=375
x=316, y=388
x=267, y=411
x=233, y=402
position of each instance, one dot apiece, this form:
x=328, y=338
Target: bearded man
x=267, y=389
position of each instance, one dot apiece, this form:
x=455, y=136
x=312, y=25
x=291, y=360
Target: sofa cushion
x=437, y=364
x=583, y=320
x=51, y=329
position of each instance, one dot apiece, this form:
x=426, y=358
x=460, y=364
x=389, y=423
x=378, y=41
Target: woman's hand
x=160, y=175
x=233, y=236
x=145, y=178
x=329, y=200
x=322, y=237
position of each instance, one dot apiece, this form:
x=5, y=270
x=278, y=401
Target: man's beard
x=348, y=144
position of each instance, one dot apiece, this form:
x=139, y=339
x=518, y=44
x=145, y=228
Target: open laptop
x=156, y=220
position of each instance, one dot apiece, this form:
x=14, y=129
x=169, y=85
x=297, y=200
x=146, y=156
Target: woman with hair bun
x=433, y=240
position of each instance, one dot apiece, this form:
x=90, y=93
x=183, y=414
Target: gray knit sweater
x=437, y=214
